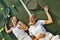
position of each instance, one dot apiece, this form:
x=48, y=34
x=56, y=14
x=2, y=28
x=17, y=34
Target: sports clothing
x=20, y=34
x=38, y=28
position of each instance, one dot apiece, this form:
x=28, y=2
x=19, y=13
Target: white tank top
x=37, y=28
x=18, y=33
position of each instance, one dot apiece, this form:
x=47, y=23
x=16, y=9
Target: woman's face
x=14, y=20
x=32, y=19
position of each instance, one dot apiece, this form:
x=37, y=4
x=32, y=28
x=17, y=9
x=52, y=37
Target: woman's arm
x=33, y=38
x=23, y=26
x=6, y=29
x=49, y=20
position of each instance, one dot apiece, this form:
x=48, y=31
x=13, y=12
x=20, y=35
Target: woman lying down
x=18, y=28
x=37, y=30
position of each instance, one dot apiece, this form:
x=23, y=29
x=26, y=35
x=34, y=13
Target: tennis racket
x=32, y=5
x=6, y=12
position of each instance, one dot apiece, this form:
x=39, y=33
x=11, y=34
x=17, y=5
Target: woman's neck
x=33, y=23
x=14, y=25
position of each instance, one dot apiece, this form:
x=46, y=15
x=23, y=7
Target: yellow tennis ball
x=2, y=29
x=2, y=9
x=3, y=38
x=13, y=6
x=8, y=16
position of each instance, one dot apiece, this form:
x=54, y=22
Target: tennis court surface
x=20, y=12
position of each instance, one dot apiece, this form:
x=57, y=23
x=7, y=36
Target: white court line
x=25, y=8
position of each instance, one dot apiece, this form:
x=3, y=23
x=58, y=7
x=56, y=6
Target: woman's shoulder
x=19, y=21
x=12, y=28
x=40, y=20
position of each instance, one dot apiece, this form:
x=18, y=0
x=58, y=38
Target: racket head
x=6, y=11
x=32, y=5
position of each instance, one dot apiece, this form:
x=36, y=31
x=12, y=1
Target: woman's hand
x=22, y=26
x=46, y=8
x=23, y=38
x=41, y=36
x=35, y=39
x=8, y=30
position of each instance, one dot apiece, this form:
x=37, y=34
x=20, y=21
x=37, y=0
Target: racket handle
x=25, y=7
x=5, y=24
x=4, y=19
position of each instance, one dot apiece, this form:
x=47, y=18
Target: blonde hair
x=33, y=16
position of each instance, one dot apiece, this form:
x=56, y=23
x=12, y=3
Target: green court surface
x=20, y=12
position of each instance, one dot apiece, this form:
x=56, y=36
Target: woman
x=37, y=30
x=18, y=28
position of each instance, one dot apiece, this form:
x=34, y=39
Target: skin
x=14, y=21
x=32, y=21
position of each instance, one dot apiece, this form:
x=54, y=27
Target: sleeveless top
x=18, y=33
x=38, y=28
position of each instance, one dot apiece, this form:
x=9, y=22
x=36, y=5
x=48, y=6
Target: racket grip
x=5, y=24
x=5, y=19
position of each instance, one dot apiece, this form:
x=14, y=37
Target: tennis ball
x=2, y=9
x=3, y=38
x=8, y=16
x=0, y=30
x=13, y=6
